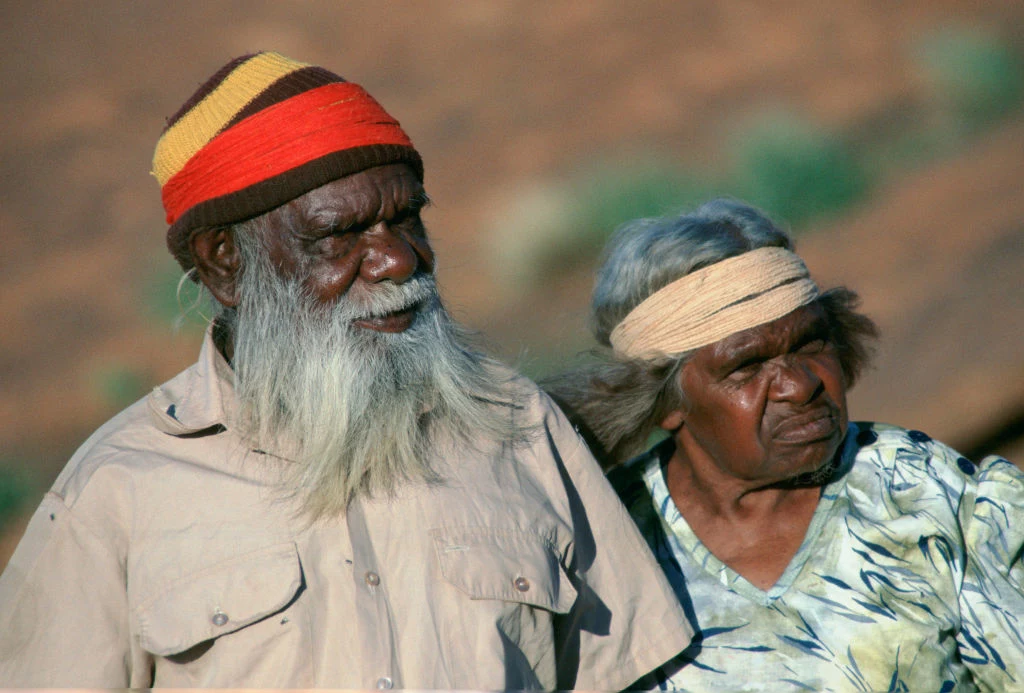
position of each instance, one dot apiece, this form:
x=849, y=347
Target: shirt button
x=385, y=683
x=372, y=579
x=522, y=584
x=219, y=618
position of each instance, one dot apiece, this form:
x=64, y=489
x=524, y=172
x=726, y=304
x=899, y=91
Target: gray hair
x=619, y=403
x=359, y=413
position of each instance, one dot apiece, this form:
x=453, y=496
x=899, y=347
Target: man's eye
x=407, y=222
x=337, y=241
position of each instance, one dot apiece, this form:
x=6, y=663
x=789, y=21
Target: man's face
x=341, y=345
x=350, y=234
x=768, y=403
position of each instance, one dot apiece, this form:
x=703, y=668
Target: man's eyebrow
x=420, y=200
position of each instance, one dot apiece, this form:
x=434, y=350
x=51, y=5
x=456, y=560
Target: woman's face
x=765, y=404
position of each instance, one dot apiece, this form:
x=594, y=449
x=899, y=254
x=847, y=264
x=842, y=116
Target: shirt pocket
x=220, y=599
x=508, y=566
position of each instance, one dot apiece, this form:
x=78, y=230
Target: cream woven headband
x=712, y=303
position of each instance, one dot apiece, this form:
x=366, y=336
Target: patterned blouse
x=910, y=578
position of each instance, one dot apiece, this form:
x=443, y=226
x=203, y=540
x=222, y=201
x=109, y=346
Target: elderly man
x=812, y=553
x=341, y=492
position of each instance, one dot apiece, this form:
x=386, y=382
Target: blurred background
x=889, y=137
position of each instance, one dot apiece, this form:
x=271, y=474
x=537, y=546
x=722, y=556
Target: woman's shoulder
x=911, y=462
x=628, y=478
x=888, y=446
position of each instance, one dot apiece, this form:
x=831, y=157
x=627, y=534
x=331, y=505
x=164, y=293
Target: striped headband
x=714, y=302
x=262, y=131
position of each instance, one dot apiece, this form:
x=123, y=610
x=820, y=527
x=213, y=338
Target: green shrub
x=614, y=194
x=171, y=300
x=17, y=494
x=795, y=170
x=552, y=229
x=976, y=74
x=118, y=385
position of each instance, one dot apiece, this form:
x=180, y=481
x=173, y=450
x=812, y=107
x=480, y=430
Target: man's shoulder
x=124, y=441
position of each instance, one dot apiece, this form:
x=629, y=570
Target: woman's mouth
x=809, y=428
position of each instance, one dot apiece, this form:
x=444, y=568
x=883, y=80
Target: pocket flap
x=504, y=565
x=220, y=599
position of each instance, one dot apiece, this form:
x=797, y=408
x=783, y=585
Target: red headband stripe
x=278, y=139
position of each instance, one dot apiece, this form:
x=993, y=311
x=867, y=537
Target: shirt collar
x=198, y=400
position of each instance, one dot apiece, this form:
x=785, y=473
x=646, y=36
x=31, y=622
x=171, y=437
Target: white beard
x=359, y=412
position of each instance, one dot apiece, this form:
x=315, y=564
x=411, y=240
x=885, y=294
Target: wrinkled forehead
x=774, y=337
x=375, y=194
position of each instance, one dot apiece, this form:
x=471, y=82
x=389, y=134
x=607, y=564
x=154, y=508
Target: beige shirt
x=163, y=556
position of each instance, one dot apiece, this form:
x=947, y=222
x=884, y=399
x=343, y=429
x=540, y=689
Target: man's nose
x=387, y=255
x=795, y=380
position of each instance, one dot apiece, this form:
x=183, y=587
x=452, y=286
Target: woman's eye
x=813, y=347
x=744, y=370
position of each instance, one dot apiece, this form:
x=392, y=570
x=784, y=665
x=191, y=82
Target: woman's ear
x=217, y=262
x=673, y=421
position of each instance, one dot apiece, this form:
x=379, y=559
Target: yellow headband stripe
x=206, y=119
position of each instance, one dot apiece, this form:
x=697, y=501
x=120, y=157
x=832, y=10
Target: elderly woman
x=810, y=552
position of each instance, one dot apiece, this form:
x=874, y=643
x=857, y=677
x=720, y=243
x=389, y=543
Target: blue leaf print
x=975, y=646
x=799, y=684
x=922, y=544
x=867, y=575
x=881, y=611
x=835, y=581
x=941, y=545
x=712, y=632
x=947, y=686
x=923, y=607
x=853, y=662
x=807, y=627
x=842, y=610
x=878, y=548
x=865, y=555
x=705, y=667
x=995, y=655
x=807, y=646
x=894, y=683
x=985, y=500
x=754, y=648
x=856, y=618
x=836, y=606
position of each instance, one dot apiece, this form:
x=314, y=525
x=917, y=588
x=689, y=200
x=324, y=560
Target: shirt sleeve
x=63, y=607
x=991, y=638
x=626, y=621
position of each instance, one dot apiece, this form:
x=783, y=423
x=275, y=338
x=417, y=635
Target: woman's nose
x=795, y=380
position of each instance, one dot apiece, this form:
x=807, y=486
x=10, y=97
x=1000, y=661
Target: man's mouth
x=397, y=321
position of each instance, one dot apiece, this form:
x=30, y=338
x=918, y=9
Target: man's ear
x=217, y=262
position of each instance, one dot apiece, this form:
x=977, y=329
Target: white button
x=219, y=618
x=385, y=683
x=522, y=584
x=372, y=579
